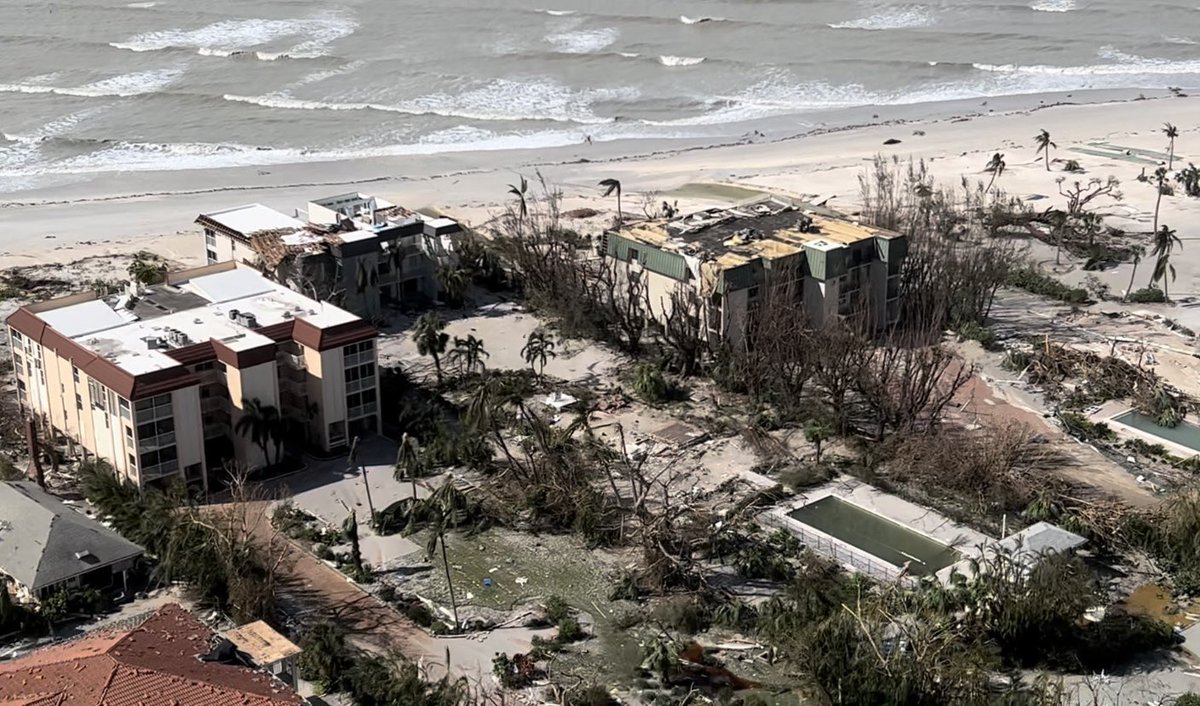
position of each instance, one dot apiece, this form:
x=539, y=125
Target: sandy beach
x=155, y=210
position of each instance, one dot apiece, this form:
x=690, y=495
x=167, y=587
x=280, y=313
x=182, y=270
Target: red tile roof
x=153, y=664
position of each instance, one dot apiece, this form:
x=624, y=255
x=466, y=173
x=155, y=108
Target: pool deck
x=920, y=520
x=1108, y=412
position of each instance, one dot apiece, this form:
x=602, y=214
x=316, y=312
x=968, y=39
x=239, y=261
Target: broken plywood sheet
x=678, y=435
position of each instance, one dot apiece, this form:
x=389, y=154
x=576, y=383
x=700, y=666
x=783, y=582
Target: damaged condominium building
x=831, y=265
x=357, y=250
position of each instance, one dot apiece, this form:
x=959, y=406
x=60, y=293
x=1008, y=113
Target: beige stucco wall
x=256, y=382
x=189, y=427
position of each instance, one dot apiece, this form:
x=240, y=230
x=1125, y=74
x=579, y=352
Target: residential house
x=47, y=546
x=165, y=659
x=728, y=257
x=156, y=380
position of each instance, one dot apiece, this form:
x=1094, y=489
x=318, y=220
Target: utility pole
x=353, y=463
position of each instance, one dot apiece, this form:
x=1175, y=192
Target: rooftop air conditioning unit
x=248, y=320
x=154, y=343
x=233, y=314
x=177, y=338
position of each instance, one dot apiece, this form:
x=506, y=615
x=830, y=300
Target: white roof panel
x=253, y=218
x=82, y=319
x=229, y=285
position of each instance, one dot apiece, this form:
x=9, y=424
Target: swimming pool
x=877, y=536
x=1185, y=434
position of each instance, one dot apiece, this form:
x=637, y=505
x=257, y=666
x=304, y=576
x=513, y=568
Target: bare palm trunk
x=437, y=365
x=449, y=581
x=1047, y=156
x=1157, y=204
x=1131, y=276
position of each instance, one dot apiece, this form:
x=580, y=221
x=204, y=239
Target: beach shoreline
x=110, y=213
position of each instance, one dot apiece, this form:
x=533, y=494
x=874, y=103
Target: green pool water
x=1185, y=434
x=876, y=535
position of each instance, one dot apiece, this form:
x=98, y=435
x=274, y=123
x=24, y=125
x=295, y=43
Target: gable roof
x=153, y=663
x=44, y=542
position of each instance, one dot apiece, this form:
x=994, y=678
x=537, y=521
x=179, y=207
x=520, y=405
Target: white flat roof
x=356, y=235
x=124, y=342
x=230, y=285
x=253, y=218
x=82, y=319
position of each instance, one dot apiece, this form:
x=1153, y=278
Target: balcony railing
x=166, y=468
x=356, y=359
x=362, y=410
x=291, y=360
x=156, y=442
x=360, y=385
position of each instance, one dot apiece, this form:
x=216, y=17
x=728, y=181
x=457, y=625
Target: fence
x=839, y=551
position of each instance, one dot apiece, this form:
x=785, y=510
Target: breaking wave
x=699, y=20
x=680, y=60
x=903, y=17
x=1122, y=65
x=234, y=37
x=1053, y=6
x=585, y=41
x=501, y=100
x=126, y=85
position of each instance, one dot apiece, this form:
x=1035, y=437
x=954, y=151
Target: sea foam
x=901, y=17
x=680, y=60
x=586, y=41
x=234, y=37
x=123, y=86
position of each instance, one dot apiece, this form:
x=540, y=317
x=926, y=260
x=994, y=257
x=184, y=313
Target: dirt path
x=312, y=591
x=987, y=402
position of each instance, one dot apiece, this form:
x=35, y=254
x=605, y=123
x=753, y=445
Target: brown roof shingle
x=153, y=663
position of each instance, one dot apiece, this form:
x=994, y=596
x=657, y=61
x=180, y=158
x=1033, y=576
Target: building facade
x=155, y=381
x=727, y=258
x=360, y=250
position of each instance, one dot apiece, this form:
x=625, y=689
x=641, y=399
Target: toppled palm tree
x=611, y=186
x=1045, y=144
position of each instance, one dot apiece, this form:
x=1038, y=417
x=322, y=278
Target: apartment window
x=21, y=385
x=633, y=254
x=361, y=404
x=207, y=365
x=337, y=433
x=123, y=404
x=78, y=401
x=129, y=432
x=18, y=362
x=159, y=461
x=212, y=256
x=221, y=366
x=132, y=461
x=359, y=353
x=360, y=377
x=97, y=394
x=75, y=374
x=154, y=408
x=149, y=430
x=16, y=336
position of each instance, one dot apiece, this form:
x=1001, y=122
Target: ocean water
x=97, y=86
